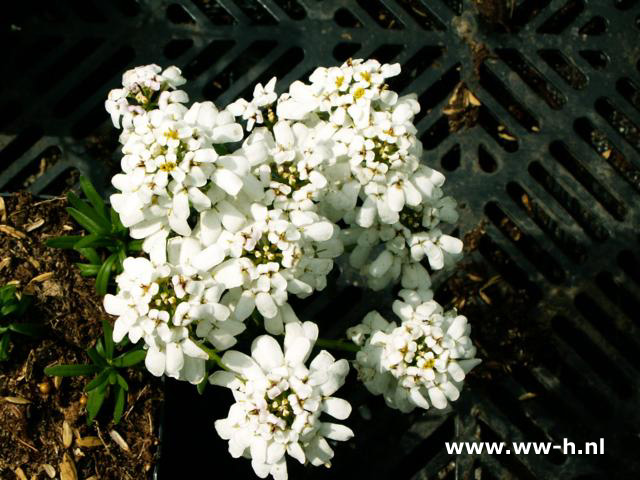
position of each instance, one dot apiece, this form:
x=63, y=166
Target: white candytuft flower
x=280, y=402
x=240, y=207
x=421, y=362
x=143, y=89
x=168, y=307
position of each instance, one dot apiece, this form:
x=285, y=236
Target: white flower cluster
x=375, y=182
x=420, y=362
x=238, y=208
x=280, y=401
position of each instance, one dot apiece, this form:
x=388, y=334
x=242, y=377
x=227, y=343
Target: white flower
x=252, y=111
x=168, y=307
x=143, y=89
x=421, y=362
x=280, y=402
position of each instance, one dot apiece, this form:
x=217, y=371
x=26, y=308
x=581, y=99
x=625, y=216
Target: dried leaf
x=16, y=400
x=68, y=468
x=48, y=469
x=606, y=154
x=116, y=437
x=3, y=210
x=67, y=434
x=4, y=263
x=33, y=225
x=485, y=297
x=473, y=100
x=20, y=474
x=88, y=442
x=506, y=136
x=527, y=396
x=12, y=232
x=42, y=277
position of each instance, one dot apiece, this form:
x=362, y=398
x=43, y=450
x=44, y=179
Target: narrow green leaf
x=118, y=409
x=9, y=309
x=65, y=241
x=86, y=221
x=122, y=382
x=122, y=255
x=96, y=358
x=90, y=254
x=102, y=280
x=87, y=210
x=71, y=370
x=88, y=270
x=96, y=398
x=93, y=196
x=29, y=329
x=102, y=377
x=93, y=240
x=4, y=346
x=108, y=339
x=3, y=329
x=116, y=223
x=202, y=385
x=134, y=245
x=130, y=359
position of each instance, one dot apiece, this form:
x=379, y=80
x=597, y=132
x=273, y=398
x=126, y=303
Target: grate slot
x=563, y=17
x=532, y=77
x=599, y=361
x=587, y=220
x=561, y=153
x=525, y=243
x=503, y=95
x=567, y=243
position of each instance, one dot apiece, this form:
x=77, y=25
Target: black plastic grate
x=547, y=165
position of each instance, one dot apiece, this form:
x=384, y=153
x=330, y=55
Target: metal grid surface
x=548, y=164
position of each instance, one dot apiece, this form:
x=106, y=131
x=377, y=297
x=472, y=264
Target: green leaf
x=134, y=245
x=87, y=222
x=122, y=382
x=4, y=346
x=65, y=241
x=93, y=240
x=202, y=385
x=99, y=380
x=71, y=370
x=130, y=359
x=100, y=348
x=116, y=223
x=9, y=309
x=96, y=398
x=122, y=255
x=90, y=254
x=93, y=196
x=86, y=209
x=96, y=357
x=102, y=280
x=118, y=409
x=29, y=329
x=113, y=377
x=108, y=339
x=87, y=269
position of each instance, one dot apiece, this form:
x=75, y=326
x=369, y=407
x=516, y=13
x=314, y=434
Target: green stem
x=213, y=355
x=337, y=345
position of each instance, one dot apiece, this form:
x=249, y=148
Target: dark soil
x=33, y=407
